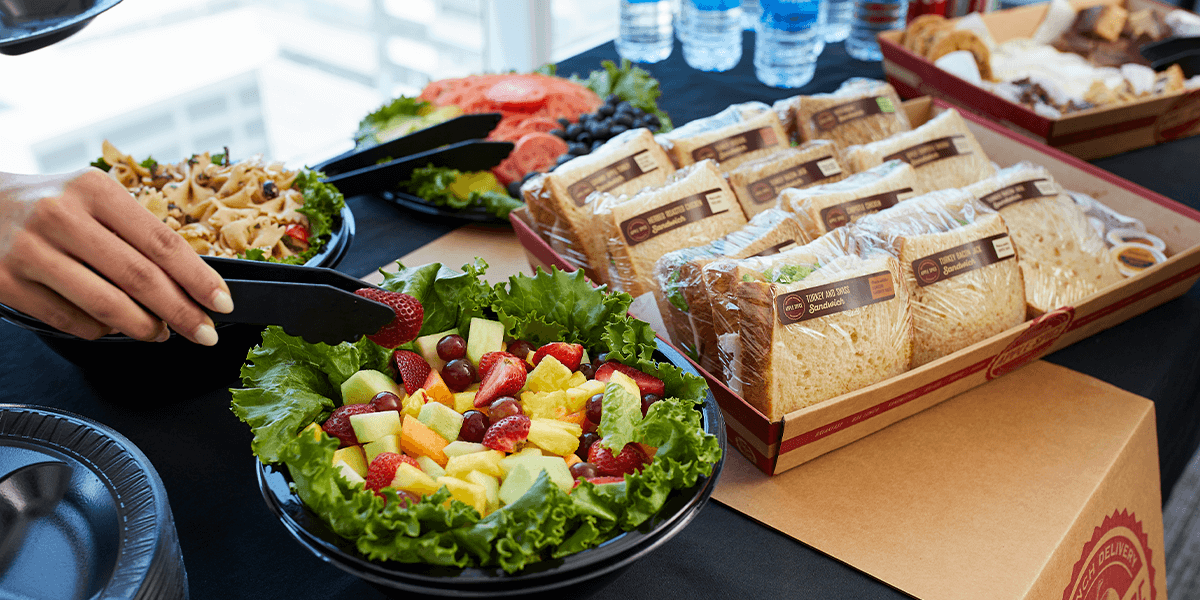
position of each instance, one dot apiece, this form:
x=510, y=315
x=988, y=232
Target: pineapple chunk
x=348, y=472
x=412, y=479
x=543, y=404
x=556, y=437
x=412, y=404
x=464, y=401
x=491, y=487
x=466, y=492
x=459, y=447
x=550, y=375
x=354, y=457
x=577, y=379
x=577, y=396
x=485, y=462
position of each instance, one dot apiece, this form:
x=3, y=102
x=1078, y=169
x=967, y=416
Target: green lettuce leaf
x=379, y=118
x=433, y=184
x=496, y=203
x=450, y=298
x=322, y=202
x=558, y=306
x=790, y=273
x=620, y=418
x=632, y=83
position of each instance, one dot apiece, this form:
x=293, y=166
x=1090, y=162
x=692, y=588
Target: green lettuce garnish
x=631, y=83
x=289, y=384
x=620, y=418
x=434, y=185
x=379, y=118
x=674, y=291
x=790, y=273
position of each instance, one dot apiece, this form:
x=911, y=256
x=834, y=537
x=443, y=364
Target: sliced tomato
x=297, y=232
x=537, y=151
x=517, y=93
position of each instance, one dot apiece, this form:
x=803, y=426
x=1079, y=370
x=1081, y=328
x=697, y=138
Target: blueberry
x=584, y=138
x=573, y=131
x=565, y=122
x=618, y=130
x=562, y=159
x=514, y=189
x=624, y=107
x=612, y=100
x=652, y=119
x=597, y=144
x=625, y=119
x=605, y=111
x=578, y=149
x=559, y=133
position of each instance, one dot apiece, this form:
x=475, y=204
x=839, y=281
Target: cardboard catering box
x=1043, y=484
x=1089, y=134
x=810, y=432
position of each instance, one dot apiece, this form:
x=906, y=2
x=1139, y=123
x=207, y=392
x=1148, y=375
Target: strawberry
x=567, y=354
x=629, y=460
x=504, y=378
x=411, y=368
x=505, y=434
x=409, y=317
x=647, y=384
x=338, y=423
x=383, y=469
x=487, y=360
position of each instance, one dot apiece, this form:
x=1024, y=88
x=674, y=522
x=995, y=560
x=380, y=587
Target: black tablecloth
x=235, y=548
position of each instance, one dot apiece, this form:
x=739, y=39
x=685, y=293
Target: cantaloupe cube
x=419, y=440
x=436, y=389
x=485, y=462
x=412, y=479
x=466, y=492
x=572, y=459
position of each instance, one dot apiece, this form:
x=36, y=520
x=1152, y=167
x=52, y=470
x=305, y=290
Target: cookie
x=953, y=40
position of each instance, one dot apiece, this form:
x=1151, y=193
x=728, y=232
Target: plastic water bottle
x=790, y=37
x=837, y=24
x=713, y=41
x=646, y=34
x=750, y=12
x=871, y=17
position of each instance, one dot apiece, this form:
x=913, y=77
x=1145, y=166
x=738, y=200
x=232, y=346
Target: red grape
x=588, y=370
x=520, y=349
x=458, y=374
x=474, y=425
x=594, y=408
x=504, y=406
x=451, y=347
x=584, y=470
x=386, y=401
x=407, y=498
x=647, y=400
x=585, y=443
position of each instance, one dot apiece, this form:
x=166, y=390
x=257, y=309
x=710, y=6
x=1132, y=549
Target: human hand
x=79, y=253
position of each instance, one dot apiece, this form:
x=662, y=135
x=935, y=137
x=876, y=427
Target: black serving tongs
x=315, y=303
x=456, y=144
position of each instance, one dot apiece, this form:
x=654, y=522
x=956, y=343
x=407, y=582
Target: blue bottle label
x=790, y=15
x=716, y=4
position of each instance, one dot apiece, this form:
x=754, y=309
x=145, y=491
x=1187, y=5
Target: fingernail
x=222, y=302
x=163, y=335
x=205, y=335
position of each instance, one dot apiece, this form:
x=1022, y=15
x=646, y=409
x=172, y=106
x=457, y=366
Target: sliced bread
x=732, y=137
x=759, y=182
x=831, y=205
x=943, y=152
x=860, y=111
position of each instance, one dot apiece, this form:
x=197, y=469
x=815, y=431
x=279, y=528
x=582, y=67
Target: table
x=234, y=547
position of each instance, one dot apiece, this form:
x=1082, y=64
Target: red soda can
x=917, y=8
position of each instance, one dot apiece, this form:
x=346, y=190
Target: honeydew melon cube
x=427, y=348
x=369, y=427
x=487, y=462
x=555, y=439
x=354, y=457
x=491, y=488
x=460, y=447
x=516, y=483
x=412, y=404
x=483, y=336
x=548, y=376
x=349, y=474
x=430, y=467
x=412, y=479
x=387, y=443
x=525, y=473
x=466, y=492
x=365, y=384
x=445, y=421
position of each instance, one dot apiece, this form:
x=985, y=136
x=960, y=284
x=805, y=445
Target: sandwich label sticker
x=962, y=259
x=674, y=215
x=932, y=151
x=1026, y=190
x=737, y=145
x=830, y=118
x=766, y=189
x=831, y=298
x=847, y=212
x=783, y=246
x=611, y=176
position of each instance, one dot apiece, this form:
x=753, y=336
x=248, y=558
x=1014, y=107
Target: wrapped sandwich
x=681, y=295
x=828, y=206
x=758, y=183
x=943, y=152
x=692, y=209
x=960, y=269
x=734, y=136
x=859, y=112
x=560, y=202
x=1063, y=258
x=814, y=325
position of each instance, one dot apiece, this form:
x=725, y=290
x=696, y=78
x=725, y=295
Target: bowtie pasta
x=221, y=209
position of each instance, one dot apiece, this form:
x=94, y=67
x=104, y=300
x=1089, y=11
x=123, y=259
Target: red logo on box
x=1116, y=562
x=1042, y=333
x=1180, y=120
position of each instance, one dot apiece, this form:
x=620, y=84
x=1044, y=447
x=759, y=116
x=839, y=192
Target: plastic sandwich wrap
x=737, y=135
x=943, y=152
x=1063, y=258
x=680, y=292
x=815, y=323
x=758, y=183
x=860, y=111
x=960, y=269
x=561, y=202
x=693, y=208
x=825, y=207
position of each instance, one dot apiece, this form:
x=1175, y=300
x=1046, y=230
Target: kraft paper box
x=1043, y=484
x=810, y=432
x=1092, y=134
